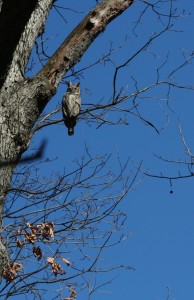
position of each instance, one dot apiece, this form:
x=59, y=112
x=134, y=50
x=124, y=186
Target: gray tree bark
x=21, y=99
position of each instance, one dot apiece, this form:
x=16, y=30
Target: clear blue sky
x=161, y=244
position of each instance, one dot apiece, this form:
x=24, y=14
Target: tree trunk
x=21, y=99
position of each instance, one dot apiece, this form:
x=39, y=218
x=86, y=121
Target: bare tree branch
x=72, y=49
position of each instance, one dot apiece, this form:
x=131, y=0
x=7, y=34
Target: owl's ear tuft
x=78, y=84
x=69, y=84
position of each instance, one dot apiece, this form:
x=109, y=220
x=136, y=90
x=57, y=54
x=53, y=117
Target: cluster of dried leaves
x=57, y=268
x=44, y=230
x=36, y=233
x=9, y=273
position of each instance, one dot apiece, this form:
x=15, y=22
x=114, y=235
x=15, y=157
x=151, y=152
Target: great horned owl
x=71, y=104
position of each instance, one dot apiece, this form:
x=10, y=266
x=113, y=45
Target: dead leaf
x=37, y=252
x=47, y=230
x=50, y=260
x=30, y=237
x=66, y=261
x=19, y=243
x=9, y=273
x=56, y=268
x=73, y=293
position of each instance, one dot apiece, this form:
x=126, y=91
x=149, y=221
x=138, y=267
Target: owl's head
x=73, y=89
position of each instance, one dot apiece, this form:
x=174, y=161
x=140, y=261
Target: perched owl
x=71, y=104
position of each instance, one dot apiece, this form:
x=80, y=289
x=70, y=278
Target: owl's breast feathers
x=71, y=105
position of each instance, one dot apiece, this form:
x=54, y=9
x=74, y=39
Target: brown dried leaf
x=65, y=260
x=47, y=230
x=30, y=237
x=33, y=229
x=50, y=260
x=19, y=231
x=51, y=224
x=9, y=273
x=15, y=267
x=37, y=252
x=73, y=293
x=19, y=243
x=56, y=268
